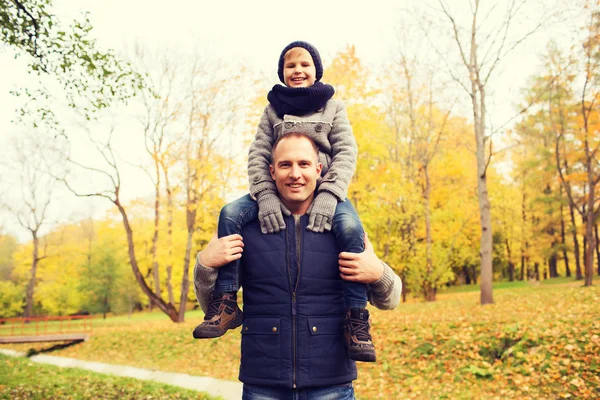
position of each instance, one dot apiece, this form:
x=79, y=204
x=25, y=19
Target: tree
x=91, y=78
x=589, y=125
x=8, y=245
x=419, y=125
x=197, y=156
x=11, y=299
x=159, y=115
x=28, y=172
x=550, y=111
x=99, y=281
x=480, y=48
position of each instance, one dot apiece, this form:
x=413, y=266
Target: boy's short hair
x=296, y=135
x=312, y=50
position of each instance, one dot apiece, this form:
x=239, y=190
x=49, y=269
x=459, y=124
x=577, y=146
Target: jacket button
x=274, y=329
x=314, y=328
x=245, y=328
x=319, y=127
x=289, y=125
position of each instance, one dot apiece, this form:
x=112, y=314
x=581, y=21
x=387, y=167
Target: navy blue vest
x=292, y=332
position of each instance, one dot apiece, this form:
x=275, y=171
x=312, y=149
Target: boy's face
x=298, y=68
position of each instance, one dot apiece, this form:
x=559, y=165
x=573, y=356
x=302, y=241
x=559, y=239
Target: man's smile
x=295, y=185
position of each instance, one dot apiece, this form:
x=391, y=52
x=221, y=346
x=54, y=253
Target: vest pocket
x=261, y=348
x=327, y=355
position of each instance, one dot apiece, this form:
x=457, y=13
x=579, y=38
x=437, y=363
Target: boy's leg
x=223, y=312
x=350, y=237
x=232, y=219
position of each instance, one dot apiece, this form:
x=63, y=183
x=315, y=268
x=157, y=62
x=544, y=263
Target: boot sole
x=363, y=356
x=201, y=333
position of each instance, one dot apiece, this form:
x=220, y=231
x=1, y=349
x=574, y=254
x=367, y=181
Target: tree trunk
x=191, y=210
x=484, y=203
x=511, y=265
x=553, y=266
x=589, y=224
x=467, y=275
x=185, y=282
x=567, y=187
x=104, y=306
x=597, y=248
x=168, y=309
x=524, y=243
x=563, y=238
x=155, y=272
x=589, y=254
x=429, y=288
x=169, y=237
x=32, y=274
x=578, y=274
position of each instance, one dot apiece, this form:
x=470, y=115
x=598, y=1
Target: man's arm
x=385, y=292
x=217, y=253
x=204, y=282
x=385, y=287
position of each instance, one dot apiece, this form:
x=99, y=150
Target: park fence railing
x=72, y=328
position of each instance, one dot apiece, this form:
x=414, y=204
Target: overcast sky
x=253, y=33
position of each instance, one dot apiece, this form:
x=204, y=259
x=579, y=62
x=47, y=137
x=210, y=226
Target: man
x=292, y=341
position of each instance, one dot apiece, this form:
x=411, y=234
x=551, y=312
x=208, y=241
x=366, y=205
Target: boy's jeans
x=346, y=226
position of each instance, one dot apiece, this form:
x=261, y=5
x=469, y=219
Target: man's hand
x=221, y=251
x=362, y=267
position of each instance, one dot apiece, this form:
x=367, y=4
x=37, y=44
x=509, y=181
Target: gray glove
x=269, y=213
x=321, y=213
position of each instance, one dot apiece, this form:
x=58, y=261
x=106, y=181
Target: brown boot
x=223, y=314
x=357, y=337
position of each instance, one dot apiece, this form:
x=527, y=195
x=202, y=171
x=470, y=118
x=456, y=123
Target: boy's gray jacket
x=328, y=127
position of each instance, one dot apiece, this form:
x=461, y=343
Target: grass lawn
x=23, y=379
x=509, y=285
x=536, y=341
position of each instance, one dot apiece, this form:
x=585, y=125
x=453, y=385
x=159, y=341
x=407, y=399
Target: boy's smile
x=298, y=68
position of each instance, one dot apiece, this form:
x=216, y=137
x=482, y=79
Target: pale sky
x=250, y=33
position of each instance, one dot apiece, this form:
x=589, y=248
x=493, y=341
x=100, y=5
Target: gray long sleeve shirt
x=383, y=293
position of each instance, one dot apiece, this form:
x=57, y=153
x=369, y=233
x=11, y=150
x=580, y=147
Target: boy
x=303, y=105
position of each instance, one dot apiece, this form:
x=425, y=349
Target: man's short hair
x=296, y=135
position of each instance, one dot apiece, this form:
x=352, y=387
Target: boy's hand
x=269, y=213
x=321, y=212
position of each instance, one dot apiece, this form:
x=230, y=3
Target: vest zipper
x=298, y=227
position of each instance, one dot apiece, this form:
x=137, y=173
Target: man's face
x=295, y=169
x=298, y=68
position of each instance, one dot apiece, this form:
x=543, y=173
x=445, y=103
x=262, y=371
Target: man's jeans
x=336, y=392
x=346, y=226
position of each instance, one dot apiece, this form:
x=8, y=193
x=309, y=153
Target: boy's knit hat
x=314, y=53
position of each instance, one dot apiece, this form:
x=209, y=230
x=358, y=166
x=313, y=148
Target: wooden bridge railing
x=45, y=329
